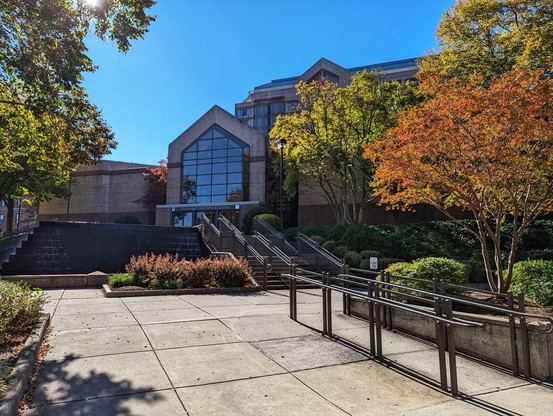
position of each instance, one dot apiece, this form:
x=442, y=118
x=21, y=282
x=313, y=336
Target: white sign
x=373, y=263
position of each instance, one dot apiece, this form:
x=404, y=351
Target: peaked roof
x=391, y=66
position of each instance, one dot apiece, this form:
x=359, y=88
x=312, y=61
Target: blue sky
x=201, y=53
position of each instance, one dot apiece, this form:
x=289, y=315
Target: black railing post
x=524, y=337
x=293, y=293
x=513, y=335
x=441, y=342
x=265, y=271
x=371, y=318
x=377, y=319
x=325, y=306
x=451, y=348
x=329, y=305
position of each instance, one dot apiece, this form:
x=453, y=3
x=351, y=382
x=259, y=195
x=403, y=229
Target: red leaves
x=470, y=145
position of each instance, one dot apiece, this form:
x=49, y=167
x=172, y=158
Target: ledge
x=21, y=374
x=108, y=293
x=48, y=281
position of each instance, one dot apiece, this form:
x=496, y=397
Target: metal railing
x=274, y=250
x=276, y=237
x=443, y=317
x=320, y=258
x=514, y=309
x=238, y=240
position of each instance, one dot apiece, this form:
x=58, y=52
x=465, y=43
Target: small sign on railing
x=373, y=263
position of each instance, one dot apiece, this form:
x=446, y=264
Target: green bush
x=367, y=254
x=251, y=214
x=317, y=239
x=329, y=245
x=310, y=230
x=127, y=219
x=428, y=268
x=122, y=279
x=20, y=306
x=291, y=233
x=535, y=279
x=365, y=264
x=352, y=259
x=384, y=262
x=340, y=251
x=335, y=232
x=271, y=219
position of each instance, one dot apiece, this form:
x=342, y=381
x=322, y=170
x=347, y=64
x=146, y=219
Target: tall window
x=215, y=169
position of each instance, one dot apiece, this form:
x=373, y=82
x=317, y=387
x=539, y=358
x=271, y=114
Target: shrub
x=127, y=219
x=20, y=306
x=352, y=258
x=250, y=215
x=168, y=272
x=122, y=279
x=535, y=279
x=428, y=268
x=335, y=232
x=340, y=251
x=329, y=245
x=367, y=254
x=365, y=264
x=291, y=233
x=317, y=239
x=310, y=230
x=271, y=219
x=384, y=262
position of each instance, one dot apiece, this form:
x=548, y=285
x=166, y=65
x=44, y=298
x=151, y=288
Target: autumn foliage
x=485, y=147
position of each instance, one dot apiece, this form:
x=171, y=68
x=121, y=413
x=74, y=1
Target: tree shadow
x=62, y=388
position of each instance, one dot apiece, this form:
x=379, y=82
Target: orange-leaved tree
x=485, y=147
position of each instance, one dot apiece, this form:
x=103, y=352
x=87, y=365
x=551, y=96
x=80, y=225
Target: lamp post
x=281, y=145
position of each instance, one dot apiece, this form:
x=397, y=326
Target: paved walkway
x=242, y=355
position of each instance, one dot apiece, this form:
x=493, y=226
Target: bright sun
x=92, y=3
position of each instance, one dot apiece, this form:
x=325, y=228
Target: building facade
x=102, y=193
x=218, y=165
x=262, y=106
x=221, y=164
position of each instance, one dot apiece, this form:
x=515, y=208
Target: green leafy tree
x=491, y=37
x=48, y=126
x=326, y=138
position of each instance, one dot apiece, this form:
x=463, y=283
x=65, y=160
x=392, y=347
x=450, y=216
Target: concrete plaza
x=242, y=355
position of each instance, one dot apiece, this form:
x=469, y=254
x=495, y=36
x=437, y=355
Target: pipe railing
x=513, y=311
x=268, y=244
x=247, y=249
x=320, y=258
x=278, y=238
x=443, y=317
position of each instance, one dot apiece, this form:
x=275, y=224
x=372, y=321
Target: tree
x=486, y=148
x=491, y=37
x=325, y=138
x=47, y=124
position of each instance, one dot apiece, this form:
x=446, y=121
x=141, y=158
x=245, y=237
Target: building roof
x=383, y=67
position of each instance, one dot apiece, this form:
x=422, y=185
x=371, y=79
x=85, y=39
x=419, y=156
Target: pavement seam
x=159, y=361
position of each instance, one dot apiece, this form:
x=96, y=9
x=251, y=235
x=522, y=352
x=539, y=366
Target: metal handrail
x=274, y=249
x=279, y=236
x=456, y=299
x=443, y=318
x=241, y=239
x=323, y=251
x=211, y=225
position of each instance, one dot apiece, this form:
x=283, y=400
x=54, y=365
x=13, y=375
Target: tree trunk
x=10, y=204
